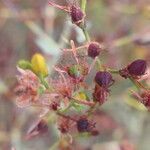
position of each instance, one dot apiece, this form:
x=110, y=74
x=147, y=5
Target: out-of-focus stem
x=86, y=34
x=65, y=116
x=113, y=71
x=44, y=82
x=83, y=5
x=54, y=146
x=135, y=83
x=92, y=65
x=99, y=64
x=122, y=41
x=84, y=102
x=82, y=26
x=92, y=109
x=138, y=84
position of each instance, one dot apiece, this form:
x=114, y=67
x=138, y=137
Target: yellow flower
x=39, y=66
x=80, y=96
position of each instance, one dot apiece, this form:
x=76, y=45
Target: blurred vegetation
x=29, y=26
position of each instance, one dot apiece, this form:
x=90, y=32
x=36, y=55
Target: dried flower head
x=63, y=87
x=93, y=49
x=27, y=88
x=104, y=79
x=100, y=94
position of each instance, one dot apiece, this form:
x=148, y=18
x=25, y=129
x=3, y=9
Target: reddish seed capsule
x=100, y=94
x=103, y=79
x=93, y=49
x=76, y=15
x=137, y=67
x=83, y=125
x=64, y=125
x=146, y=98
x=54, y=106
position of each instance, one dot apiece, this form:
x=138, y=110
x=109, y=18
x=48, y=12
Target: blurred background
x=29, y=26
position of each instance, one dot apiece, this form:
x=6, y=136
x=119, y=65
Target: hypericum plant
x=68, y=91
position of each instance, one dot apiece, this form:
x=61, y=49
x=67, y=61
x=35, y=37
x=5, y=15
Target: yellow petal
x=39, y=66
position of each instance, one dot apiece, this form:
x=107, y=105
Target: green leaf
x=23, y=64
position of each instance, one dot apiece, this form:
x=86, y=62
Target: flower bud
x=103, y=79
x=93, y=49
x=76, y=15
x=137, y=67
x=39, y=66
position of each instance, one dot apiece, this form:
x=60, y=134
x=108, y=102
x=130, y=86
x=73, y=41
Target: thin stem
x=137, y=84
x=83, y=5
x=74, y=51
x=84, y=102
x=65, y=116
x=43, y=81
x=61, y=74
x=92, y=109
x=134, y=82
x=92, y=65
x=82, y=26
x=99, y=64
x=65, y=8
x=113, y=71
x=77, y=48
x=87, y=37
